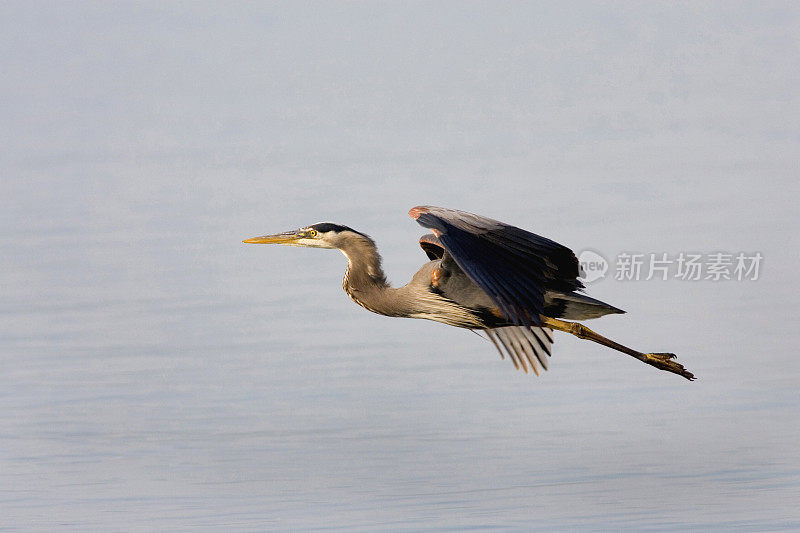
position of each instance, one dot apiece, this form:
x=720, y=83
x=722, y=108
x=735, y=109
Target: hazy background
x=157, y=373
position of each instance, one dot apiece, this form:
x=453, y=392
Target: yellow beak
x=279, y=238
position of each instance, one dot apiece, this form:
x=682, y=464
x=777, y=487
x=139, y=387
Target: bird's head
x=321, y=235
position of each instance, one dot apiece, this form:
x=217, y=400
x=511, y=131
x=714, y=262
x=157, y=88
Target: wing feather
x=525, y=346
x=513, y=266
x=527, y=349
x=431, y=246
x=511, y=344
x=540, y=345
x=511, y=354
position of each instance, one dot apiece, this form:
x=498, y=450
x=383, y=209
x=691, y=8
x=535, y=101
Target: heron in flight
x=482, y=274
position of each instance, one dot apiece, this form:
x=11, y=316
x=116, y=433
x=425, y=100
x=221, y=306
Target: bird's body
x=482, y=275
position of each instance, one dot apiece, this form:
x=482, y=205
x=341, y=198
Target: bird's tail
x=581, y=307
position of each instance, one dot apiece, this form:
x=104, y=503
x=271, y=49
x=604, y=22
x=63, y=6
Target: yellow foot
x=666, y=361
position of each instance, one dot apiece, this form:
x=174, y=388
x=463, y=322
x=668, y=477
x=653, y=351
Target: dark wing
x=513, y=266
x=431, y=246
x=525, y=346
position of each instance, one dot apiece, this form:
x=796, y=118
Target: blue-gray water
x=158, y=374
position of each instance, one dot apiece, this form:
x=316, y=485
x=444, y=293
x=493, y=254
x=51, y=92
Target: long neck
x=365, y=282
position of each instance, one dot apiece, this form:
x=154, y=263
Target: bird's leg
x=663, y=361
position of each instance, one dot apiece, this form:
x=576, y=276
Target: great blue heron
x=482, y=275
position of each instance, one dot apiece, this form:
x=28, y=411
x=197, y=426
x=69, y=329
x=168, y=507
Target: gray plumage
x=482, y=275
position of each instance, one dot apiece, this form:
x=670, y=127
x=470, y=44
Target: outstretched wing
x=513, y=266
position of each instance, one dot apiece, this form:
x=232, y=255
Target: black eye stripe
x=324, y=227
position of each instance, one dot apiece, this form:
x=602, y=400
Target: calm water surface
x=158, y=374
